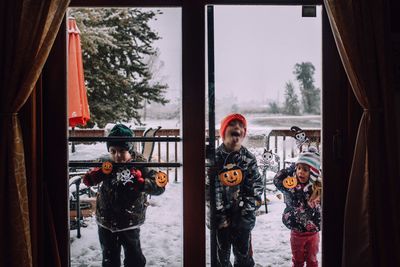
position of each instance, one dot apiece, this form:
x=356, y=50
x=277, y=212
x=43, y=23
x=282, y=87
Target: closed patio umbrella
x=78, y=107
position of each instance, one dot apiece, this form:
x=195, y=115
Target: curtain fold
x=371, y=219
x=28, y=31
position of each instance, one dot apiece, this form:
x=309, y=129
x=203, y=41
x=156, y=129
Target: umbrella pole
x=73, y=143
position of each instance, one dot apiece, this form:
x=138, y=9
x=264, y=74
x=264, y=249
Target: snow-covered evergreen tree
x=117, y=45
x=310, y=95
x=291, y=105
x=273, y=107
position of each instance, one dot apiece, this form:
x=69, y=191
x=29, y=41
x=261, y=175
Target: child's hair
x=317, y=189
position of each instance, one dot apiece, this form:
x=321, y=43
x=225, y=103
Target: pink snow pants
x=304, y=248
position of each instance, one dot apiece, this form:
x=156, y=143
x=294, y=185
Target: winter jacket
x=236, y=205
x=298, y=215
x=121, y=205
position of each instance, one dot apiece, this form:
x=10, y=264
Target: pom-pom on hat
x=231, y=117
x=120, y=130
x=312, y=159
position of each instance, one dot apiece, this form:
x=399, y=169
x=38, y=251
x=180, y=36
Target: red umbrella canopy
x=78, y=107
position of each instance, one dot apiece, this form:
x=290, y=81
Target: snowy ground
x=161, y=235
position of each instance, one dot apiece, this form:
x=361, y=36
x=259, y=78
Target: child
x=301, y=187
x=122, y=201
x=238, y=191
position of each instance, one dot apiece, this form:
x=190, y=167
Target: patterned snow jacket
x=119, y=205
x=236, y=205
x=298, y=215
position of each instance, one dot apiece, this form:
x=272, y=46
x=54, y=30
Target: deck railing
x=281, y=142
x=164, y=152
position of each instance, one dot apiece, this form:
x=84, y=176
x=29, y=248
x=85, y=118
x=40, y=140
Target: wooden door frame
x=335, y=86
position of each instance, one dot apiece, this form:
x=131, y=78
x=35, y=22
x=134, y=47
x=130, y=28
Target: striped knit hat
x=312, y=159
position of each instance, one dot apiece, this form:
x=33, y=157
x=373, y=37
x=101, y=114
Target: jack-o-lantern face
x=161, y=179
x=290, y=182
x=231, y=175
x=107, y=167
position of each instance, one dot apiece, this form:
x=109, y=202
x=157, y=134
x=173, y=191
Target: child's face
x=234, y=135
x=302, y=172
x=119, y=154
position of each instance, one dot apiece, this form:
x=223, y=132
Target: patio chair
x=148, y=147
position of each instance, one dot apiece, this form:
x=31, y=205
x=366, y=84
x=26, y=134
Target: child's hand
x=314, y=202
x=138, y=175
x=94, y=177
x=291, y=169
x=138, y=180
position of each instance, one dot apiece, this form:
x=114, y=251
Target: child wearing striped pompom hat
x=312, y=159
x=301, y=187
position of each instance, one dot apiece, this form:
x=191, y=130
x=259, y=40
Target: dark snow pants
x=240, y=240
x=111, y=245
x=304, y=248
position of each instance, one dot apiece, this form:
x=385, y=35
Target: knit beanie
x=312, y=159
x=225, y=122
x=120, y=130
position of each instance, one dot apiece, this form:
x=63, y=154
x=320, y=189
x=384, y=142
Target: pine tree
x=291, y=105
x=274, y=108
x=117, y=45
x=310, y=95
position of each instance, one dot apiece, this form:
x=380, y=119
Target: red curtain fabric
x=27, y=34
x=371, y=219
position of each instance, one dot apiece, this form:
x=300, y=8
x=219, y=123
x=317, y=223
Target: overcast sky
x=256, y=48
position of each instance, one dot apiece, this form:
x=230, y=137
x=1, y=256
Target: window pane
x=132, y=74
x=268, y=68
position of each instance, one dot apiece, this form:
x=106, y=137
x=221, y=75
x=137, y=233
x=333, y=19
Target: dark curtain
x=28, y=30
x=371, y=219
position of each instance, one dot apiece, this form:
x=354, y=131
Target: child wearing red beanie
x=228, y=119
x=238, y=191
